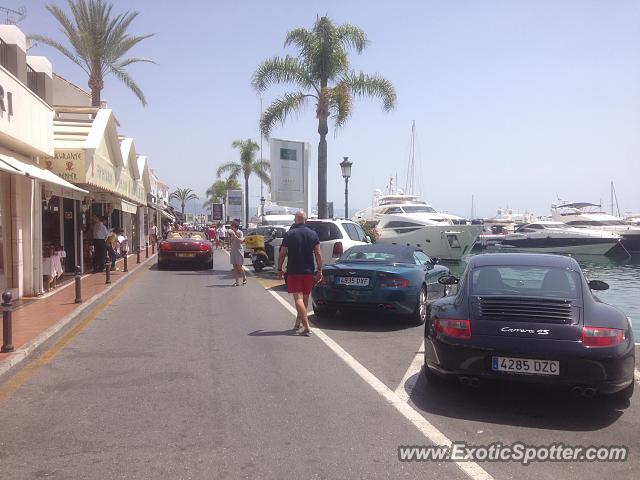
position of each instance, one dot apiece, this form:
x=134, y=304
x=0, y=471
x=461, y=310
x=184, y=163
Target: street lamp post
x=262, y=200
x=345, y=165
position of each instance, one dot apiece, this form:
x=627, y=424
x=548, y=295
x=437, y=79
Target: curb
x=28, y=348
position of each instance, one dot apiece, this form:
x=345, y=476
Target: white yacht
x=274, y=215
x=400, y=203
x=437, y=238
x=548, y=236
x=590, y=216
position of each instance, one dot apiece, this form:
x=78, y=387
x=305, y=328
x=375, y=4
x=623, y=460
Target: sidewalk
x=35, y=320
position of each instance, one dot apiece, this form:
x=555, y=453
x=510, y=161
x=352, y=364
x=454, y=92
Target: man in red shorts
x=300, y=245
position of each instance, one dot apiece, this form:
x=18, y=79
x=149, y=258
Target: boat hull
x=450, y=242
x=578, y=246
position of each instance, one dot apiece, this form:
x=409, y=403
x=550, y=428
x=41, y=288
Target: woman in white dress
x=236, y=253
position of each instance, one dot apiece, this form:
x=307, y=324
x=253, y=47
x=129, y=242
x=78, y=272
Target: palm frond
x=125, y=78
x=352, y=37
x=129, y=61
x=279, y=70
x=340, y=103
x=281, y=109
x=62, y=49
x=261, y=168
x=233, y=168
x=376, y=86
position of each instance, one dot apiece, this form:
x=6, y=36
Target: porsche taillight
x=453, y=328
x=165, y=246
x=601, y=337
x=204, y=247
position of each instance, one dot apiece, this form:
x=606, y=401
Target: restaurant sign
x=68, y=164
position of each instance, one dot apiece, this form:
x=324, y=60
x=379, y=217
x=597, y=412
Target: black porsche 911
x=530, y=318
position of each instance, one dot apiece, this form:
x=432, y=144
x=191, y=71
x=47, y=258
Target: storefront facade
x=90, y=154
x=26, y=138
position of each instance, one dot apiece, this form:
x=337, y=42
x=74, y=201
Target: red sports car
x=185, y=248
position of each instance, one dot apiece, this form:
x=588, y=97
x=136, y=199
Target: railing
x=32, y=79
x=4, y=53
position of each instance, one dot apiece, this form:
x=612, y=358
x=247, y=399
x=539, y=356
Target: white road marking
x=471, y=469
x=411, y=376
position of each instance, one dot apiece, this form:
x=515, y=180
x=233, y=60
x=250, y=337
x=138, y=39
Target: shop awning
x=168, y=216
x=59, y=186
x=125, y=206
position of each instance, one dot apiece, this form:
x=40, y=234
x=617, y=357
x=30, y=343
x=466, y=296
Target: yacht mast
x=409, y=183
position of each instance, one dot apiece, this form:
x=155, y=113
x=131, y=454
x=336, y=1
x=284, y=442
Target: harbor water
x=621, y=273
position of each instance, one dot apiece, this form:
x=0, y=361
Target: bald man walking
x=300, y=245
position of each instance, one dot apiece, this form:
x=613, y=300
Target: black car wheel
x=209, y=265
x=162, y=266
x=419, y=315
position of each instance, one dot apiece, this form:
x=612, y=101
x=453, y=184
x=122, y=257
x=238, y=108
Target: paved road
x=185, y=376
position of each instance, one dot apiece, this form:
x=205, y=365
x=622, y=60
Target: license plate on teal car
x=354, y=281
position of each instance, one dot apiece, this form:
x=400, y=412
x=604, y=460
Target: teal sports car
x=396, y=279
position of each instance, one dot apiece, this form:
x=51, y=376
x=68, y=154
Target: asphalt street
x=181, y=375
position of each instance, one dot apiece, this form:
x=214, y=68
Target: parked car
x=336, y=236
x=188, y=247
x=530, y=318
x=393, y=278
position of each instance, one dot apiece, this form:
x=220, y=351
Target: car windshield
x=525, y=280
x=192, y=235
x=375, y=253
x=326, y=231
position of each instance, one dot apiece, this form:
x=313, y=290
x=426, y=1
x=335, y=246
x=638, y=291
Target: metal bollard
x=138, y=255
x=78, y=285
x=108, y=271
x=7, y=324
x=126, y=263
x=146, y=250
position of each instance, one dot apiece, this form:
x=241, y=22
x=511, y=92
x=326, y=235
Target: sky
x=517, y=103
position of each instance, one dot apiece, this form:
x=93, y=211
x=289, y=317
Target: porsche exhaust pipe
x=577, y=391
x=589, y=392
x=474, y=382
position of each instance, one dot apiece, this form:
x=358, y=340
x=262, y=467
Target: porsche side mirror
x=448, y=280
x=598, y=285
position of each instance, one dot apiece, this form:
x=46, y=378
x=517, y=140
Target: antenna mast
x=13, y=17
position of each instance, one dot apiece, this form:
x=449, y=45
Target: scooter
x=262, y=253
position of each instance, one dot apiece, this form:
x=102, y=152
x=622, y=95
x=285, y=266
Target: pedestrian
x=212, y=233
x=236, y=253
x=111, y=243
x=299, y=246
x=222, y=236
x=153, y=234
x=99, y=234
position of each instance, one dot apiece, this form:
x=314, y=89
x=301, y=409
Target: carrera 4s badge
x=541, y=331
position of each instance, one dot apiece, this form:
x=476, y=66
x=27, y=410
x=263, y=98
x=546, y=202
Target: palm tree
x=217, y=192
x=183, y=195
x=321, y=72
x=99, y=42
x=247, y=165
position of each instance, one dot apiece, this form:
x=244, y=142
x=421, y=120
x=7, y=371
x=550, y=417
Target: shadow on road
x=273, y=333
x=519, y=405
x=362, y=322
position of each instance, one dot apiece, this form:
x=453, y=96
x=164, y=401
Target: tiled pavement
x=34, y=316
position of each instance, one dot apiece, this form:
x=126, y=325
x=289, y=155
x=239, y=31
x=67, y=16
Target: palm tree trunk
x=322, y=166
x=246, y=201
x=182, y=204
x=96, y=85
